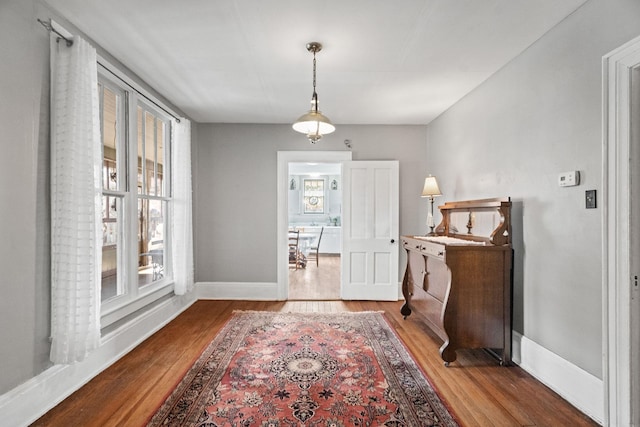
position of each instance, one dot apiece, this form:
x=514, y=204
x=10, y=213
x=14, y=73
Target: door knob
x=393, y=241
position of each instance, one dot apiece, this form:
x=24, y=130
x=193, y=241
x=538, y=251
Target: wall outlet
x=569, y=179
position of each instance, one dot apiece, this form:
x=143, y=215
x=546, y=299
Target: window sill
x=116, y=313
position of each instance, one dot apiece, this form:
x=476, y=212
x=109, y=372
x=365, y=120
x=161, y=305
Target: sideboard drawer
x=433, y=249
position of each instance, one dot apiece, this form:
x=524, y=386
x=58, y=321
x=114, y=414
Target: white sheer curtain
x=182, y=228
x=76, y=204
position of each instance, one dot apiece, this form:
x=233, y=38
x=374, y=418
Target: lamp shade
x=313, y=121
x=431, y=188
x=314, y=124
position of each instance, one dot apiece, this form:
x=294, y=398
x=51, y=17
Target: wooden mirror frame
x=500, y=236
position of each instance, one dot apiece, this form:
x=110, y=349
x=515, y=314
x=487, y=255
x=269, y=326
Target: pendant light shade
x=314, y=124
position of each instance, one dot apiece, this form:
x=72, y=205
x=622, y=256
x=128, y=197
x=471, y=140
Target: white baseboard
x=32, y=399
x=256, y=291
x=575, y=385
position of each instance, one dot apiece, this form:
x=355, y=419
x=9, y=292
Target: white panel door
x=370, y=231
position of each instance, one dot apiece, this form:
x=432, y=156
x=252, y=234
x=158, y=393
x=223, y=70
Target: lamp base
x=430, y=223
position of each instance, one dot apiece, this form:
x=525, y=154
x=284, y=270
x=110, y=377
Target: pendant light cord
x=314, y=97
x=314, y=70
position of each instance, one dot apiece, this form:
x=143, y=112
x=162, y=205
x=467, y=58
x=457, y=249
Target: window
x=313, y=196
x=135, y=200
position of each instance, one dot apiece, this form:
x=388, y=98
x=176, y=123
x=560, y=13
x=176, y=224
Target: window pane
x=314, y=196
x=142, y=169
x=151, y=226
x=160, y=126
x=110, y=143
x=110, y=111
x=151, y=153
x=111, y=247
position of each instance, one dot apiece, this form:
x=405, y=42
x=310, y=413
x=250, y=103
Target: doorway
x=314, y=211
x=283, y=182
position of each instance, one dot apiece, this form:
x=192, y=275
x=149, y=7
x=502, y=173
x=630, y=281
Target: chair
x=157, y=260
x=156, y=256
x=294, y=248
x=313, y=250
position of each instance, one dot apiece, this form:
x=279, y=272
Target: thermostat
x=569, y=179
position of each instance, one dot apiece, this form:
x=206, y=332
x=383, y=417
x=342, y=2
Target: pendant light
x=314, y=124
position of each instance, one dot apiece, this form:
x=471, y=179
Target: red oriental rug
x=273, y=369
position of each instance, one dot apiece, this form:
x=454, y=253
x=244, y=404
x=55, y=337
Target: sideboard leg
x=447, y=353
x=405, y=310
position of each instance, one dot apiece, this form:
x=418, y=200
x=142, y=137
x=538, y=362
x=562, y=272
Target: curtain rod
x=177, y=119
x=49, y=26
x=69, y=41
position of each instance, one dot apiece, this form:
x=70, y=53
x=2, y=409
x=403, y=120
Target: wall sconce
x=431, y=190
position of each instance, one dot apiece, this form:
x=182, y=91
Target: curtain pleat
x=76, y=206
x=182, y=228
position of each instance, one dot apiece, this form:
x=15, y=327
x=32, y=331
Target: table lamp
x=431, y=190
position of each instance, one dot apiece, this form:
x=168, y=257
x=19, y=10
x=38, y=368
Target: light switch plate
x=590, y=199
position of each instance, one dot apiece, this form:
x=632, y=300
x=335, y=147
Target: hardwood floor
x=321, y=282
x=475, y=388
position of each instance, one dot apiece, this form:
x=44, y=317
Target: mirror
x=486, y=220
x=477, y=223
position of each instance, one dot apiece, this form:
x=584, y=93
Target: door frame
x=618, y=372
x=284, y=158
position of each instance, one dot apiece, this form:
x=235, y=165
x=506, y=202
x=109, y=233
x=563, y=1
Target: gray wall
x=235, y=190
x=539, y=116
x=24, y=184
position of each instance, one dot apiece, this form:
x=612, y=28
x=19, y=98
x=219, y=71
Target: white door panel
x=370, y=231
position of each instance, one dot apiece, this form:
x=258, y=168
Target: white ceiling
x=383, y=62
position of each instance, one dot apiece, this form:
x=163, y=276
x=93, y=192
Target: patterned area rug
x=273, y=369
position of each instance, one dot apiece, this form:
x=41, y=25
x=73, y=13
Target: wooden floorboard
x=474, y=387
x=316, y=282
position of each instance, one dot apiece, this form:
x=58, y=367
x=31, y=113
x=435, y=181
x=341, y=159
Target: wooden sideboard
x=459, y=283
